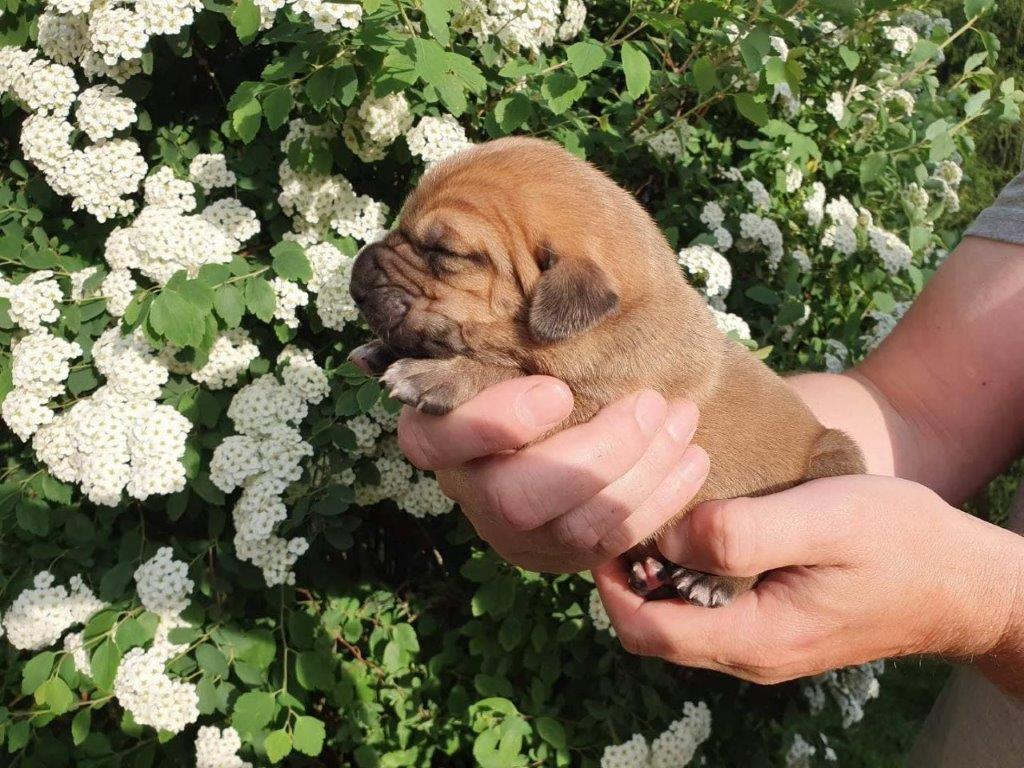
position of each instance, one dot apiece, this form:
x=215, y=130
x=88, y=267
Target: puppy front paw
x=708, y=590
x=431, y=386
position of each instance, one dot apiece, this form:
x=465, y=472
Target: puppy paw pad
x=706, y=590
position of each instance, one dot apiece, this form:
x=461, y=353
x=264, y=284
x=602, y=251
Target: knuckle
x=506, y=501
x=575, y=531
x=729, y=537
x=416, y=446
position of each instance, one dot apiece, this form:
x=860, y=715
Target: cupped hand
x=574, y=500
x=859, y=568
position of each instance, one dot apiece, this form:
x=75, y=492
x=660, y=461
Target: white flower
x=290, y=297
x=41, y=614
x=435, y=138
x=230, y=356
x=598, y=614
x=894, y=253
x=730, y=323
x=802, y=259
x=217, y=749
x=712, y=215
x=34, y=301
x=794, y=177
x=759, y=195
x=903, y=39
x=574, y=14
x=211, y=172
x=765, y=232
x=800, y=753
x=836, y=356
x=676, y=747
x=102, y=110
x=152, y=697
x=634, y=753
x=835, y=105
x=163, y=584
x=814, y=206
x=707, y=264
x=851, y=688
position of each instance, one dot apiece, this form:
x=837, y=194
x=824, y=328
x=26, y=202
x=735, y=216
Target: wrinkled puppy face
x=501, y=249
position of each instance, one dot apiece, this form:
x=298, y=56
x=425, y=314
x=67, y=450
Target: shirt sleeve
x=1004, y=219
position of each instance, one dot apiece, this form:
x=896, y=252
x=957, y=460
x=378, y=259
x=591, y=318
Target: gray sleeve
x=1004, y=219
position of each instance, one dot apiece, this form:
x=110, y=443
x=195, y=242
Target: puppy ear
x=571, y=296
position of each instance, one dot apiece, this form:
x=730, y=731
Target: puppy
x=514, y=257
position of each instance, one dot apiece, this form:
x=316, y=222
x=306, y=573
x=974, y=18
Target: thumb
x=812, y=524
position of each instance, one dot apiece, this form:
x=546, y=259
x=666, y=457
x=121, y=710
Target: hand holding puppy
x=575, y=500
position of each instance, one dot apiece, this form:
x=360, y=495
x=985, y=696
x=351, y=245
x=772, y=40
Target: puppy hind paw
x=707, y=590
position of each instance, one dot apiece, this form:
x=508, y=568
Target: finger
x=671, y=629
x=811, y=524
x=501, y=418
x=543, y=481
x=637, y=505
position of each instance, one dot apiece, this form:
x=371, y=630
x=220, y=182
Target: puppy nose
x=365, y=273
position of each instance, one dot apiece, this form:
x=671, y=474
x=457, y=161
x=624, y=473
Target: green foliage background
x=405, y=641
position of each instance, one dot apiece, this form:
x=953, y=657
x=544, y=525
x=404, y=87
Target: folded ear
x=571, y=296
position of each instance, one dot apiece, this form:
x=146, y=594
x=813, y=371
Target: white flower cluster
x=835, y=105
x=265, y=457
x=801, y=753
x=851, y=688
x=374, y=126
x=836, y=356
x=74, y=643
x=664, y=144
x=142, y=685
x=102, y=110
x=165, y=238
x=40, y=366
x=760, y=230
x=436, y=138
x=414, y=492
x=947, y=176
x=230, y=356
x=714, y=217
x=41, y=614
x=884, y=323
x=730, y=323
x=163, y=584
x=894, y=253
x=98, y=178
x=119, y=438
x=317, y=202
x=332, y=273
x=326, y=16
x=218, y=749
x=674, y=748
x=841, y=234
x=598, y=614
x=288, y=296
x=759, y=195
x=903, y=39
x=709, y=266
x=521, y=24
x=814, y=205
x=211, y=172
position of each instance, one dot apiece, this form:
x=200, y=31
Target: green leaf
x=762, y=294
x=974, y=8
x=755, y=111
x=775, y=71
x=104, y=663
x=253, y=710
x=245, y=18
x=35, y=671
x=80, y=725
x=56, y=695
x=437, y=14
x=923, y=51
x=704, y=75
x=230, y=305
x=637, y=68
x=314, y=671
x=850, y=58
x=513, y=112
x=290, y=261
x=561, y=89
x=552, y=732
x=586, y=57
x=883, y=301
x=246, y=120
x=871, y=167
x=320, y=87
x=277, y=106
x=211, y=660
x=308, y=735
x=176, y=319
x=278, y=745
x=260, y=298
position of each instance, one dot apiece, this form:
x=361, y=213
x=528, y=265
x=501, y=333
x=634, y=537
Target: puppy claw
x=706, y=590
x=424, y=384
x=638, y=579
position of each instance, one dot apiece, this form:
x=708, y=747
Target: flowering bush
x=213, y=552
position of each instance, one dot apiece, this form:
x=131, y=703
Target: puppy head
x=507, y=248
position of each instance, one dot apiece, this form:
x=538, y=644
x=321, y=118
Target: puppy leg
x=708, y=590
x=439, y=386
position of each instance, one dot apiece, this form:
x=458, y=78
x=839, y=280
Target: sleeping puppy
x=514, y=257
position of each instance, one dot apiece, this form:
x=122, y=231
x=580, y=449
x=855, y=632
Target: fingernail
x=681, y=423
x=544, y=404
x=650, y=412
x=694, y=465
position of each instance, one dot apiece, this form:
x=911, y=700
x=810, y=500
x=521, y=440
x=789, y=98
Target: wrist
x=1003, y=664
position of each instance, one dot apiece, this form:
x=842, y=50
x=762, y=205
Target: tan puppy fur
x=515, y=257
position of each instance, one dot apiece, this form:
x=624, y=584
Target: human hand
x=859, y=568
x=574, y=500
